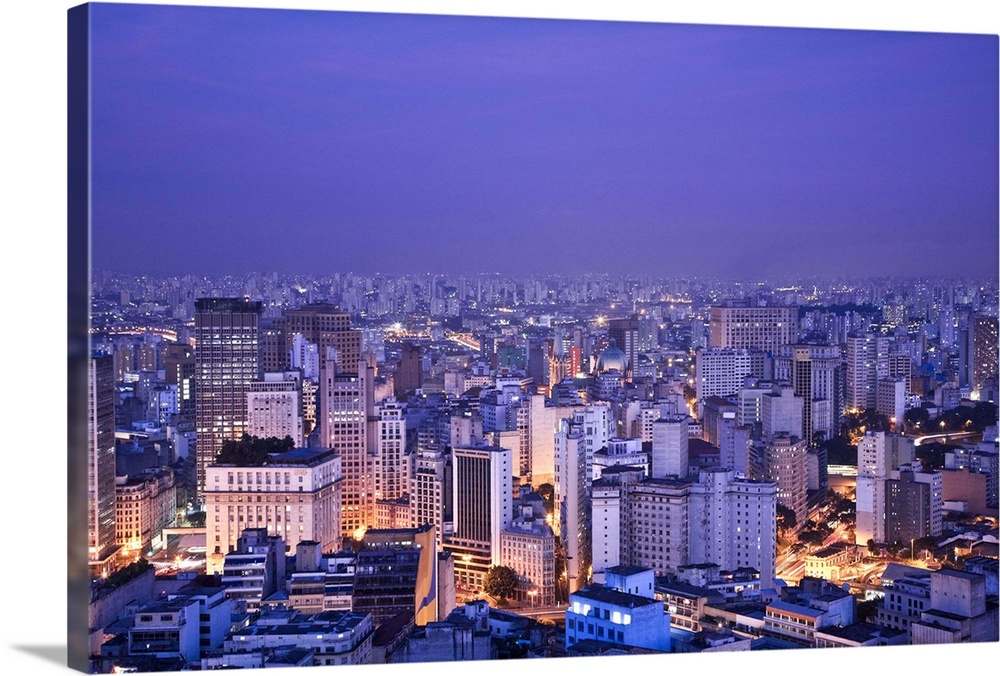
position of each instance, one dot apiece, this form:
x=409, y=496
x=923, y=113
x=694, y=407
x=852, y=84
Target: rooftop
x=613, y=596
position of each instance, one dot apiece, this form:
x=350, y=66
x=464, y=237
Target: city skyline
x=537, y=146
x=475, y=203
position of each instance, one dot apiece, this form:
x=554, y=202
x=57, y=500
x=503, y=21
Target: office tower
x=227, y=360
x=391, y=472
x=721, y=372
x=254, y=569
x=572, y=508
x=749, y=398
x=786, y=464
x=781, y=412
x=814, y=372
x=274, y=407
x=483, y=501
x=625, y=334
x=867, y=363
x=274, y=354
x=326, y=326
x=733, y=522
x=179, y=369
x=294, y=495
x=891, y=400
x=738, y=324
x=983, y=351
x=347, y=426
x=101, y=527
x=396, y=572
x=670, y=447
x=408, y=376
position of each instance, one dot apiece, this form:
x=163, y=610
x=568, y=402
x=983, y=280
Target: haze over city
x=395, y=143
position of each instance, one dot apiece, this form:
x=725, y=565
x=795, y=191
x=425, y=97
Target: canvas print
x=423, y=339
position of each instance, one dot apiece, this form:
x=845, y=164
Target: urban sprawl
x=294, y=470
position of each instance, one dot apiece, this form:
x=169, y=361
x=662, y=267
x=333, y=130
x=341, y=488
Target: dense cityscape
x=352, y=469
x=427, y=338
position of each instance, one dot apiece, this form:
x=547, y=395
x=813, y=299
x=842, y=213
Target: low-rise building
x=597, y=612
x=336, y=637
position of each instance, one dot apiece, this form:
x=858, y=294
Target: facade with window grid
x=295, y=496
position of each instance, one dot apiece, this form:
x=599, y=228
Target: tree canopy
x=252, y=451
x=501, y=582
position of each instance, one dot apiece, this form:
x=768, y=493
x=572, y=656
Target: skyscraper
x=483, y=506
x=325, y=326
x=227, y=360
x=983, y=331
x=347, y=425
x=867, y=363
x=101, y=463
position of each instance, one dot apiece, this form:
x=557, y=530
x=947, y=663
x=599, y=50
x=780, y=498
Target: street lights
x=911, y=548
x=532, y=593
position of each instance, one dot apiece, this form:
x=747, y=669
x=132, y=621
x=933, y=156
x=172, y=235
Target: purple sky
x=231, y=140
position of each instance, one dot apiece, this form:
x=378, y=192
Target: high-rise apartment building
x=814, y=372
x=738, y=324
x=983, y=350
x=101, y=527
x=227, y=360
x=786, y=464
x=867, y=363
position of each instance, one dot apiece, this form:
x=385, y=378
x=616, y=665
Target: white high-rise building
x=391, y=470
x=738, y=324
x=597, y=425
x=429, y=489
x=670, y=447
x=543, y=422
x=892, y=400
x=274, y=407
x=781, y=412
x=867, y=363
x=571, y=503
x=721, y=372
x=873, y=470
x=733, y=522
